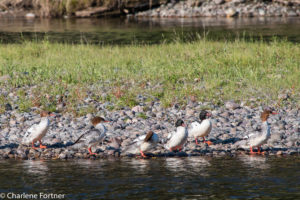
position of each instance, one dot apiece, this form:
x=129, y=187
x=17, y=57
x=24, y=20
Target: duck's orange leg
x=34, y=146
x=41, y=145
x=142, y=154
x=196, y=141
x=259, y=151
x=251, y=151
x=90, y=151
x=179, y=148
x=207, y=142
x=173, y=148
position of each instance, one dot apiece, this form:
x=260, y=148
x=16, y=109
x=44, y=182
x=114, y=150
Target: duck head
x=266, y=113
x=148, y=136
x=45, y=114
x=179, y=123
x=204, y=115
x=98, y=120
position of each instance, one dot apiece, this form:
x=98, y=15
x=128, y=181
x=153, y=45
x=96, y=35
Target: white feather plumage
x=200, y=129
x=140, y=145
x=177, y=138
x=36, y=132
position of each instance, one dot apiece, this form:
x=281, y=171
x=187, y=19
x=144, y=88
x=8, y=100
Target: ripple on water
x=243, y=177
x=123, y=31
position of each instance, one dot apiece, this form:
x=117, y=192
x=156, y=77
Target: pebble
x=219, y=1
x=231, y=105
x=137, y=109
x=8, y=107
x=62, y=156
x=4, y=78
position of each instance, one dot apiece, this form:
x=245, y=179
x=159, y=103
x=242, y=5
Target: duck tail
x=78, y=139
x=248, y=136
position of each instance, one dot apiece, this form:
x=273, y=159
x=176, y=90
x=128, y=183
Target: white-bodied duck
x=37, y=131
x=258, y=139
x=177, y=138
x=93, y=137
x=143, y=143
x=201, y=129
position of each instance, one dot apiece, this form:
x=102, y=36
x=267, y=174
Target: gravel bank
x=231, y=123
x=222, y=8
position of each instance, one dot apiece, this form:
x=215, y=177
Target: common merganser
x=177, y=138
x=256, y=140
x=143, y=143
x=37, y=131
x=95, y=136
x=203, y=128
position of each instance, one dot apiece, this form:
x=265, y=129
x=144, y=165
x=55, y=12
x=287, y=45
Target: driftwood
x=89, y=12
x=135, y=6
x=126, y=7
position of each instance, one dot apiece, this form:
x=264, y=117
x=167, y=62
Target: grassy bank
x=45, y=74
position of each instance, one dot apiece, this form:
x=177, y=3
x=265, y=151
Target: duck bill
x=183, y=125
x=106, y=121
x=52, y=115
x=274, y=113
x=208, y=114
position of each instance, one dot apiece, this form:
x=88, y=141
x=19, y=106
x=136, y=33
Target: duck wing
x=91, y=137
x=246, y=140
x=30, y=133
x=252, y=136
x=193, y=128
x=95, y=136
x=134, y=147
x=171, y=135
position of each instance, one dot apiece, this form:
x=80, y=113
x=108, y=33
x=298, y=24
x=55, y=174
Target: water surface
x=150, y=31
x=244, y=177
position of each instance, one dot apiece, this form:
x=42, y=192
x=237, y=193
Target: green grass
x=174, y=73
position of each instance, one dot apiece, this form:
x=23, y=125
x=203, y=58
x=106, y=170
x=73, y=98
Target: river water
x=149, y=31
x=243, y=177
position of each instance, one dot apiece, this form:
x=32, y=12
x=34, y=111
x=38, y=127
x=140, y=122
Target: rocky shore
x=231, y=123
x=224, y=8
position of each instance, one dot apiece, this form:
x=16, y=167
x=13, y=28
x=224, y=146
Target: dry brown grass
x=54, y=8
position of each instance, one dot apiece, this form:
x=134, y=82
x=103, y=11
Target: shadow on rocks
x=12, y=145
x=227, y=141
x=60, y=145
x=160, y=155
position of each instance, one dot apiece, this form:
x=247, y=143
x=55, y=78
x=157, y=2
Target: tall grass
x=173, y=73
x=55, y=8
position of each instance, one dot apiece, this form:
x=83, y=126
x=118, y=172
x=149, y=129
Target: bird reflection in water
x=176, y=164
x=35, y=167
x=139, y=165
x=193, y=165
x=199, y=165
x=255, y=161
